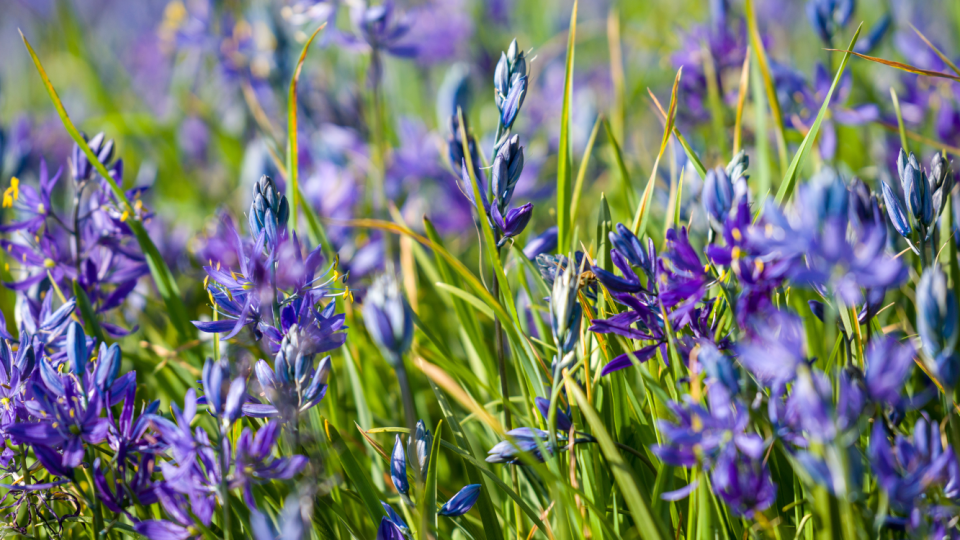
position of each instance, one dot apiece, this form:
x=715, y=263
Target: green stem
x=224, y=490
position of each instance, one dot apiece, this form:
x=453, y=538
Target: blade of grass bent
x=643, y=211
x=945, y=58
x=789, y=179
x=564, y=159
x=898, y=65
x=293, y=188
x=691, y=155
x=162, y=276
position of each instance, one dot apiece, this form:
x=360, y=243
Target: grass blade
x=900, y=127
x=89, y=316
x=741, y=100
x=763, y=63
x=789, y=179
x=691, y=155
x=293, y=166
x=647, y=526
x=582, y=172
x=467, y=297
x=428, y=503
x=371, y=501
x=898, y=65
x=945, y=58
x=625, y=186
x=643, y=211
x=564, y=158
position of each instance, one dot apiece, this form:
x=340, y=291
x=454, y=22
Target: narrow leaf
x=293, y=187
x=789, y=179
x=564, y=160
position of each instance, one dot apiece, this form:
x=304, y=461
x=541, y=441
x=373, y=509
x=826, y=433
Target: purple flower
x=702, y=434
x=774, y=348
x=513, y=223
x=522, y=441
x=180, y=508
x=292, y=387
x=906, y=470
x=889, y=363
x=66, y=419
x=254, y=464
x=544, y=242
x=744, y=485
x=462, y=502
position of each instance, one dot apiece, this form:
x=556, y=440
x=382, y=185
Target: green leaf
x=582, y=172
x=625, y=186
x=293, y=188
x=469, y=298
x=89, y=316
x=488, y=514
x=368, y=495
x=564, y=159
x=763, y=64
x=428, y=503
x=162, y=276
x=647, y=525
x=643, y=211
x=789, y=179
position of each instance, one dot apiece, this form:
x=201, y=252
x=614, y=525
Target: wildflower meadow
x=479, y=269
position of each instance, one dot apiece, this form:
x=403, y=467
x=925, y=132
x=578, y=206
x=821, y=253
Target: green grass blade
x=643, y=211
x=162, y=276
x=741, y=101
x=467, y=297
x=761, y=139
x=368, y=495
x=564, y=158
x=582, y=172
x=691, y=155
x=790, y=179
x=488, y=514
x=625, y=186
x=428, y=502
x=763, y=63
x=647, y=525
x=86, y=309
x=900, y=126
x=293, y=166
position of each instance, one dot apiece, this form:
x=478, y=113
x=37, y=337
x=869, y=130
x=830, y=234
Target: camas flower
x=254, y=464
x=66, y=418
x=909, y=468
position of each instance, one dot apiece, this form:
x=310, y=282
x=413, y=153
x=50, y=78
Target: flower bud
x=269, y=210
x=891, y=200
x=507, y=167
x=565, y=310
x=388, y=318
x=937, y=322
x=717, y=197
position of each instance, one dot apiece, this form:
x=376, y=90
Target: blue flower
x=462, y=502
